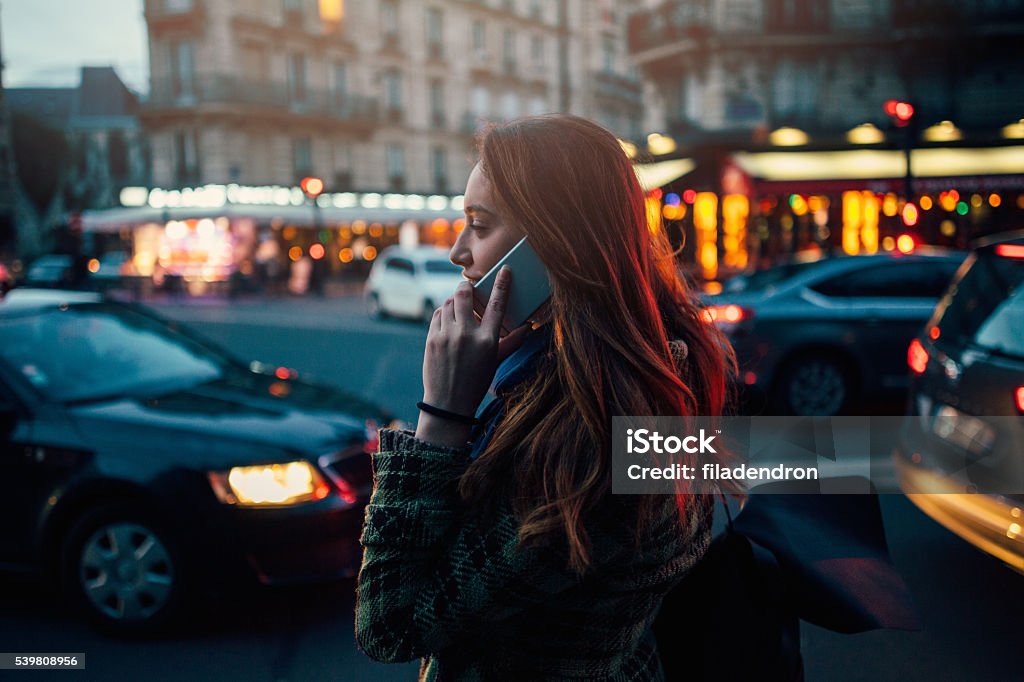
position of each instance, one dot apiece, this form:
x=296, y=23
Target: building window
x=538, y=105
x=176, y=6
x=536, y=10
x=537, y=49
x=302, y=157
x=340, y=78
x=393, y=90
x=396, y=166
x=297, y=77
x=186, y=158
x=182, y=70
x=479, y=36
x=439, y=165
x=389, y=18
x=510, y=51
x=435, y=32
x=293, y=12
x=510, y=106
x=480, y=101
x=332, y=11
x=608, y=55
x=437, y=103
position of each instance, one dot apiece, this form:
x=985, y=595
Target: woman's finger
x=448, y=313
x=435, y=322
x=464, y=304
x=494, y=314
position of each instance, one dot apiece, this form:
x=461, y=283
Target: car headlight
x=269, y=485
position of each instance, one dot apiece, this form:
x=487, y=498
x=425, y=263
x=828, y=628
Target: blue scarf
x=516, y=368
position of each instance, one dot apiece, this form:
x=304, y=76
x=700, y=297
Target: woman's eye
x=477, y=226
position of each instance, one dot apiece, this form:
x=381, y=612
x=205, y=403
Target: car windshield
x=986, y=305
x=767, y=278
x=441, y=267
x=103, y=351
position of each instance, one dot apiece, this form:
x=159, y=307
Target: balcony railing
x=226, y=90
x=671, y=21
x=185, y=15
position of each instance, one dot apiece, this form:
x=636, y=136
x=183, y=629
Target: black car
x=960, y=456
x=814, y=337
x=143, y=463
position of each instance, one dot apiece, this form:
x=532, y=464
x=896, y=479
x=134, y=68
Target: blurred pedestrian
x=493, y=547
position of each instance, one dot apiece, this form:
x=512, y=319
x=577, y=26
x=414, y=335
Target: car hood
x=224, y=423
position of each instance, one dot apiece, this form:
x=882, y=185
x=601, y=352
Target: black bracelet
x=445, y=414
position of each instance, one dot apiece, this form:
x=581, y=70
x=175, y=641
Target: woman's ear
x=680, y=351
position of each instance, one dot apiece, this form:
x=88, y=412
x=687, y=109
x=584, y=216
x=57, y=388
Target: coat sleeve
x=431, y=571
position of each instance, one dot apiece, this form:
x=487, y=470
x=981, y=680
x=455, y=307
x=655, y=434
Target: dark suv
x=960, y=453
x=816, y=337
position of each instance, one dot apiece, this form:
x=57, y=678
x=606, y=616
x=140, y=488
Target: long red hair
x=617, y=301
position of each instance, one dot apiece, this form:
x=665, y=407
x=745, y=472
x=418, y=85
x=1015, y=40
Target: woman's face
x=488, y=235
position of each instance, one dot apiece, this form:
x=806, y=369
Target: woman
x=497, y=551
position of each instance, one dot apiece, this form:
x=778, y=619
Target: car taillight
x=726, y=314
x=372, y=442
x=1010, y=250
x=1020, y=398
x=917, y=357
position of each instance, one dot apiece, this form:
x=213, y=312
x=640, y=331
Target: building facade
x=825, y=66
x=826, y=125
x=370, y=95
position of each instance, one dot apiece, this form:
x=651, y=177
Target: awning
x=116, y=219
x=868, y=167
x=654, y=175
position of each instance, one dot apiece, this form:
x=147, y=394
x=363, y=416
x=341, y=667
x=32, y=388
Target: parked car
x=52, y=270
x=964, y=432
x=410, y=283
x=143, y=463
x=111, y=267
x=814, y=337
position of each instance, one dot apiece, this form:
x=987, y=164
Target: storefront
x=766, y=206
x=206, y=239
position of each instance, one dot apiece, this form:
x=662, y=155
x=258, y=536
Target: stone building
x=370, y=95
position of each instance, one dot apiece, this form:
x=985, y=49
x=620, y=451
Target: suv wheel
x=816, y=385
x=124, y=570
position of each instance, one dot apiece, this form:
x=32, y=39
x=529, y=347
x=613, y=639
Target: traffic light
x=901, y=113
x=312, y=186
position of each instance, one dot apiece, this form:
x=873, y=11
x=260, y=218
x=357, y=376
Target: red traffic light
x=313, y=187
x=902, y=112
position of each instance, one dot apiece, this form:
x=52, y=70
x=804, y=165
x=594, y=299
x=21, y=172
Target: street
x=965, y=597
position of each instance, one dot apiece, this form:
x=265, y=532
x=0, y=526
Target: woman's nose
x=460, y=255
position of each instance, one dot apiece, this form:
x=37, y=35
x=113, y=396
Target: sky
x=46, y=42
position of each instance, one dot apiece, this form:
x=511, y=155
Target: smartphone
x=531, y=287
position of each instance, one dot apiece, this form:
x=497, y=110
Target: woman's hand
x=461, y=357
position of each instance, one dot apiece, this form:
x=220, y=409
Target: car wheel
x=816, y=385
x=373, y=307
x=428, y=311
x=124, y=570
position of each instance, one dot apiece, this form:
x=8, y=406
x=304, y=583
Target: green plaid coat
x=445, y=584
